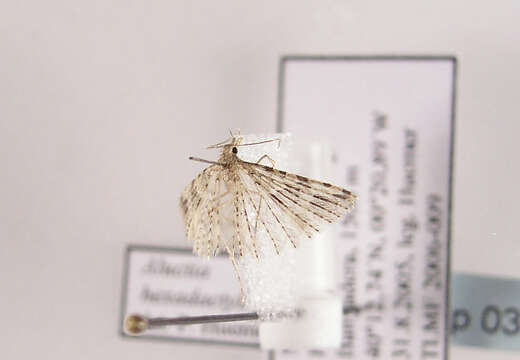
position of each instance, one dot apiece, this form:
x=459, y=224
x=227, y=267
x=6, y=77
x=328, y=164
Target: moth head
x=231, y=149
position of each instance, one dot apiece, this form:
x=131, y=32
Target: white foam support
x=318, y=328
x=270, y=282
x=302, y=279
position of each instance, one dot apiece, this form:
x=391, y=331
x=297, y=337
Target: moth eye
x=234, y=150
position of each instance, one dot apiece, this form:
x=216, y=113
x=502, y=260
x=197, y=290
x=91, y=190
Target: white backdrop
x=101, y=103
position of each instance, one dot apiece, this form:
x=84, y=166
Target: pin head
x=136, y=324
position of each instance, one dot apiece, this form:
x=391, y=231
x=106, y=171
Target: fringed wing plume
x=229, y=208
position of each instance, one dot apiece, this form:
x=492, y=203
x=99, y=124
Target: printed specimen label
x=390, y=122
x=164, y=282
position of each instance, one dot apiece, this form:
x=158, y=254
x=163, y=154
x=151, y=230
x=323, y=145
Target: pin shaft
x=136, y=324
x=190, y=320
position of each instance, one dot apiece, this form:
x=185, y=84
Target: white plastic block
x=294, y=292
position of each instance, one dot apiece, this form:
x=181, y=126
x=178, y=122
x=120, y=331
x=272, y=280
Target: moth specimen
x=233, y=202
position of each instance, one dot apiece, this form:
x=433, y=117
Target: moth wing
x=293, y=205
x=204, y=214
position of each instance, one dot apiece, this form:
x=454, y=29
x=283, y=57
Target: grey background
x=102, y=101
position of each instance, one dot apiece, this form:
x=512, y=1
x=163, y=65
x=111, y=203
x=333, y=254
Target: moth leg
x=252, y=243
x=253, y=239
x=220, y=196
x=253, y=233
x=212, y=211
x=257, y=209
x=265, y=156
x=275, y=243
x=258, y=214
x=237, y=234
x=221, y=204
x=237, y=273
x=217, y=212
x=211, y=230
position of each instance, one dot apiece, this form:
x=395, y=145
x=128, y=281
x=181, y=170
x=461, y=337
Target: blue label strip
x=485, y=311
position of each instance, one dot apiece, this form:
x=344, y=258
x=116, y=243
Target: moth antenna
x=262, y=142
x=205, y=161
x=220, y=144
